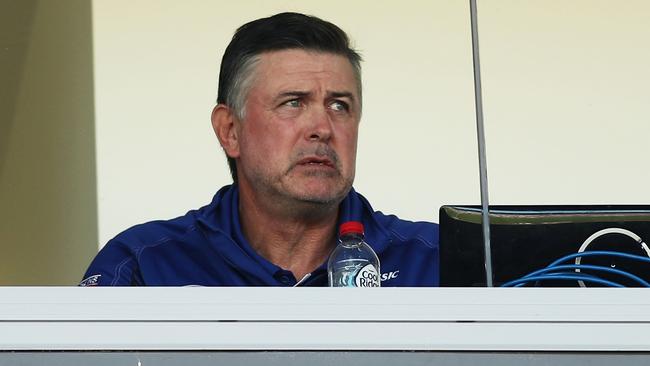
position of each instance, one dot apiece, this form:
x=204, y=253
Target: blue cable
x=549, y=275
x=565, y=277
x=536, y=275
x=592, y=267
x=600, y=253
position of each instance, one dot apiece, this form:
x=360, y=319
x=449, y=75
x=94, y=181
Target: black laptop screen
x=528, y=238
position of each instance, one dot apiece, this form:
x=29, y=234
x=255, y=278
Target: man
x=287, y=117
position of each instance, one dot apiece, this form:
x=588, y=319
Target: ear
x=223, y=124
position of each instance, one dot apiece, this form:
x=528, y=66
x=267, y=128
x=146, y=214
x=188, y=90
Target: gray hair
x=242, y=83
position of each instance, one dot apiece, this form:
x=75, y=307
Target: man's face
x=298, y=140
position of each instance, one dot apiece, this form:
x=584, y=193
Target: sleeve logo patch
x=90, y=281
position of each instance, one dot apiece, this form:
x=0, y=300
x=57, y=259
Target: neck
x=295, y=239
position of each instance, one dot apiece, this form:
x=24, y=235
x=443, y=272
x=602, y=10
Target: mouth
x=316, y=162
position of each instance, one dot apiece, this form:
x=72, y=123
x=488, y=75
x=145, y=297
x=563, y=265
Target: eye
x=340, y=106
x=293, y=103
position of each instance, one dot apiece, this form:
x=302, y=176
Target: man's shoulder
x=127, y=258
x=155, y=232
x=406, y=230
x=177, y=228
x=397, y=229
x=408, y=251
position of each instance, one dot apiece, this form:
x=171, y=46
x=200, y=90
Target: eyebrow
x=341, y=95
x=292, y=93
x=301, y=93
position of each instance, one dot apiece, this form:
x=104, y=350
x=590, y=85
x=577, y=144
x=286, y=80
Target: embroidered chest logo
x=389, y=275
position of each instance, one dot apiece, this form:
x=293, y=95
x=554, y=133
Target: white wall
x=564, y=92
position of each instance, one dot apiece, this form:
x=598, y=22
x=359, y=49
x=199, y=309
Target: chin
x=324, y=197
x=317, y=190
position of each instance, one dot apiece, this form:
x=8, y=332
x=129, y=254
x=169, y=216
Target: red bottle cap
x=351, y=227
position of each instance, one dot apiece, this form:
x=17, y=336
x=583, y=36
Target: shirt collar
x=222, y=215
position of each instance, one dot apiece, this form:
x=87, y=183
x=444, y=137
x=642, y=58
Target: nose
x=319, y=126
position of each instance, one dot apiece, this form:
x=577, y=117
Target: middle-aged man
x=288, y=114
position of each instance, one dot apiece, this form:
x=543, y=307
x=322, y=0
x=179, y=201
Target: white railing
x=434, y=319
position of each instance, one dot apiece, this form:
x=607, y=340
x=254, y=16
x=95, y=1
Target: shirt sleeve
x=114, y=265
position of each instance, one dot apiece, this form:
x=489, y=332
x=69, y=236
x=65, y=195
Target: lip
x=316, y=161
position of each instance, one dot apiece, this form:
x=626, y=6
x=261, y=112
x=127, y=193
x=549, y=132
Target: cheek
x=264, y=145
x=258, y=150
x=349, y=142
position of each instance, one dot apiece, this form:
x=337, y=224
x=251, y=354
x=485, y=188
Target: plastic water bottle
x=353, y=263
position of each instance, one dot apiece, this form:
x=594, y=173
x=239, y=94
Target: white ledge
x=203, y=318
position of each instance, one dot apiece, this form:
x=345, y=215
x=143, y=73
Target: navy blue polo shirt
x=206, y=247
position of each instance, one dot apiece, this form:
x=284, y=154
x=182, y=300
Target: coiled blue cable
x=574, y=277
x=548, y=272
x=545, y=271
x=550, y=275
x=600, y=253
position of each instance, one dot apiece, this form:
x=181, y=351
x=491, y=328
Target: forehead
x=304, y=70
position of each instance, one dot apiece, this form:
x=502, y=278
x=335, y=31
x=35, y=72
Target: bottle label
x=368, y=276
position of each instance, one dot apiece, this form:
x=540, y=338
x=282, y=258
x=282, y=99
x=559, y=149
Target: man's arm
x=114, y=265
